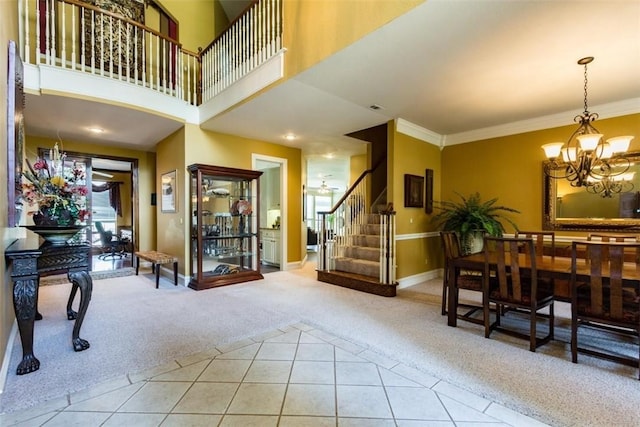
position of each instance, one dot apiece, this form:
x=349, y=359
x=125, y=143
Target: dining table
x=549, y=266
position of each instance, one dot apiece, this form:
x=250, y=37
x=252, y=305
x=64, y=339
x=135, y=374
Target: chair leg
x=444, y=296
x=574, y=340
x=487, y=317
x=533, y=340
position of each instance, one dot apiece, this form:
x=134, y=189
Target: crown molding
x=605, y=111
x=418, y=132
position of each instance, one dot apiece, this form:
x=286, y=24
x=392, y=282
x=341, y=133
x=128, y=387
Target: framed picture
x=413, y=191
x=169, y=192
x=15, y=134
x=428, y=196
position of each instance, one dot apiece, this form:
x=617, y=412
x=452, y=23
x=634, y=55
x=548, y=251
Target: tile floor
x=297, y=376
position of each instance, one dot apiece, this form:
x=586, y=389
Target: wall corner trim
x=418, y=132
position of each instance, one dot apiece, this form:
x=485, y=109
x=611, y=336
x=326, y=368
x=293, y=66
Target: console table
x=28, y=259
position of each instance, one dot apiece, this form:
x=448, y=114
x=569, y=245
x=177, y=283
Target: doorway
x=273, y=212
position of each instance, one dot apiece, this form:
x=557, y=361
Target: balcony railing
x=81, y=37
x=250, y=40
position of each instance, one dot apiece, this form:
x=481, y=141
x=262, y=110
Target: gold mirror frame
x=549, y=209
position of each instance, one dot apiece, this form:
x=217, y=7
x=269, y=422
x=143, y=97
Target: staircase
x=356, y=249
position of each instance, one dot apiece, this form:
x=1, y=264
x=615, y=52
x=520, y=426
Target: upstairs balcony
x=66, y=44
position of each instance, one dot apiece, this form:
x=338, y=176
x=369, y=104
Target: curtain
x=114, y=194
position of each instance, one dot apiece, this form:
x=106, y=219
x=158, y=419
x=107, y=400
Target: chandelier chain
x=586, y=107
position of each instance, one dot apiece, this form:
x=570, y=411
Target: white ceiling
x=448, y=66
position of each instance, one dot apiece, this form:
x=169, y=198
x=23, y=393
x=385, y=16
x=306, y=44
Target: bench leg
x=175, y=273
x=157, y=270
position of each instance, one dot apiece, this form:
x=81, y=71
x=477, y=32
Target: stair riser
x=370, y=229
x=371, y=288
x=366, y=240
x=358, y=252
x=353, y=266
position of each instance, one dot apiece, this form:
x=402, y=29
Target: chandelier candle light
x=585, y=160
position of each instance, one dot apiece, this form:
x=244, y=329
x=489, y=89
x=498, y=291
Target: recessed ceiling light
x=289, y=137
x=95, y=130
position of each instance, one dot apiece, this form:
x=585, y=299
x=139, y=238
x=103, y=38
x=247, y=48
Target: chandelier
x=585, y=160
x=324, y=188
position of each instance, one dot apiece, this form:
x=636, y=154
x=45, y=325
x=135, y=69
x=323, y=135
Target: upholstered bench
x=157, y=259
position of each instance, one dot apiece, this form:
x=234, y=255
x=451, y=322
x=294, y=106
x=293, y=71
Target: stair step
x=370, y=229
x=357, y=282
x=362, y=252
x=368, y=240
x=358, y=266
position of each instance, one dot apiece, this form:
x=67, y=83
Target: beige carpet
x=132, y=326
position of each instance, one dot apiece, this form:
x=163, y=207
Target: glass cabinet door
x=225, y=240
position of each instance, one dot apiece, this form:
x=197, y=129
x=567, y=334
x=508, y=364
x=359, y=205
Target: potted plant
x=471, y=218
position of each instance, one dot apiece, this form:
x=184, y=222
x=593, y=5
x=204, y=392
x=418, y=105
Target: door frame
x=284, y=215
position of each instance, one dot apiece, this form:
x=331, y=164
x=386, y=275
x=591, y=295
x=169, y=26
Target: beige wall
x=8, y=31
x=192, y=145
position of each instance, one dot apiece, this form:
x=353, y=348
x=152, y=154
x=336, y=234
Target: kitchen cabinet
x=270, y=239
x=224, y=226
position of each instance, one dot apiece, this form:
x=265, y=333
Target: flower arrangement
x=59, y=192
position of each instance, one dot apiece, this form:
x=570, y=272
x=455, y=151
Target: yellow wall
x=146, y=179
x=314, y=30
x=357, y=165
x=510, y=167
x=172, y=234
x=8, y=31
x=196, y=23
x=408, y=155
x=193, y=145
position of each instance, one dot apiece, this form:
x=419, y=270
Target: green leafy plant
x=471, y=214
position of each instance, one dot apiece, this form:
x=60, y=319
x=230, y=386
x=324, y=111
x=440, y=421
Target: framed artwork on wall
x=413, y=191
x=428, y=191
x=15, y=134
x=169, y=191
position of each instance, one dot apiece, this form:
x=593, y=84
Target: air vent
x=376, y=107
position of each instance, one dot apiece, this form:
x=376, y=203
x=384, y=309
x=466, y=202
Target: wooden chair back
x=606, y=291
x=620, y=238
x=510, y=280
x=606, y=299
x=540, y=238
x=450, y=245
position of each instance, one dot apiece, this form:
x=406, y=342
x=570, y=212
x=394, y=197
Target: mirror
x=574, y=208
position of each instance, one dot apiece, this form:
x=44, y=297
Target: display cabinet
x=225, y=238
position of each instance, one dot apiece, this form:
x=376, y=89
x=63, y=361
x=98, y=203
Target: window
x=102, y=211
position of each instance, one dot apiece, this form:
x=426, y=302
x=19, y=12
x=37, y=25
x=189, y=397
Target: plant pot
x=473, y=243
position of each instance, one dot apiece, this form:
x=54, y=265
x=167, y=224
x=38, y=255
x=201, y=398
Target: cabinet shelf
x=224, y=239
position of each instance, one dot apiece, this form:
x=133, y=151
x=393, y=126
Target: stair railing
x=338, y=226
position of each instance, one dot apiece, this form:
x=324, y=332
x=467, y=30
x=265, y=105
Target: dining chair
x=467, y=280
x=515, y=285
x=617, y=237
x=545, y=241
x=601, y=296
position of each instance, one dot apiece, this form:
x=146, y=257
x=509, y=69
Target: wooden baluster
x=93, y=41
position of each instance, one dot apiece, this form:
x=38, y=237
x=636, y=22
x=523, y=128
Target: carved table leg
x=71, y=315
x=25, y=297
x=38, y=315
x=83, y=281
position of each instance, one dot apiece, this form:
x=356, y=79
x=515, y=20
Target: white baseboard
x=4, y=371
x=405, y=282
